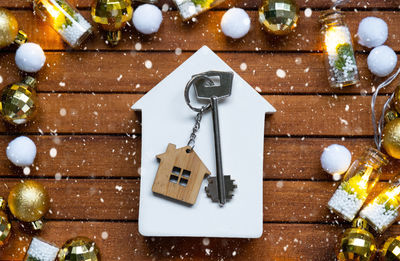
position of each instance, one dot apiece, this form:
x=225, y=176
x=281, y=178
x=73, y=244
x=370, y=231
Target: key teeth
x=212, y=190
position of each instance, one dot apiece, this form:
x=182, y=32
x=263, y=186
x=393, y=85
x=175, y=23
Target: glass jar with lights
x=358, y=181
x=191, y=8
x=338, y=50
x=383, y=210
x=65, y=19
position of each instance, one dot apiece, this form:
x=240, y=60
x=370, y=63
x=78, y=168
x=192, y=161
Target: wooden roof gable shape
x=180, y=174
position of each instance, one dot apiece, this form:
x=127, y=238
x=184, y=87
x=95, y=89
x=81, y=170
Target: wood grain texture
x=174, y=34
x=252, y=4
x=129, y=73
x=118, y=200
x=111, y=113
x=283, y=241
x=284, y=158
x=85, y=114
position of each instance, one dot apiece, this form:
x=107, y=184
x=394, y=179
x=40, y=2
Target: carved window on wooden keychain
x=179, y=176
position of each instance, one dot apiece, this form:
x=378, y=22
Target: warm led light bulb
x=65, y=19
x=338, y=50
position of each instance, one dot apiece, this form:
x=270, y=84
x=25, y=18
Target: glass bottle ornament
x=279, y=17
x=19, y=101
x=382, y=211
x=338, y=50
x=40, y=250
x=28, y=202
x=188, y=9
x=65, y=19
x=391, y=249
x=5, y=225
x=79, y=248
x=358, y=181
x=357, y=243
x=9, y=32
x=112, y=16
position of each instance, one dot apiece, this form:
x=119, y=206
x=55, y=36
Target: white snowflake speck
x=280, y=73
x=104, y=235
x=243, y=66
x=148, y=64
x=53, y=152
x=63, y=112
x=206, y=241
x=27, y=171
x=308, y=12
x=138, y=46
x=178, y=51
x=58, y=176
x=165, y=8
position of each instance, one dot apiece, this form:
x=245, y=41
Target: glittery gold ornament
x=357, y=243
x=279, y=17
x=396, y=99
x=391, y=249
x=19, y=101
x=79, y=248
x=28, y=201
x=391, y=138
x=112, y=15
x=9, y=29
x=391, y=115
x=5, y=225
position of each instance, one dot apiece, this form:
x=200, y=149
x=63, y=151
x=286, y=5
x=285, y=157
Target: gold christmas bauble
x=28, y=201
x=5, y=225
x=79, y=248
x=19, y=101
x=391, y=115
x=391, y=249
x=112, y=15
x=391, y=138
x=396, y=99
x=279, y=17
x=357, y=243
x=5, y=228
x=8, y=27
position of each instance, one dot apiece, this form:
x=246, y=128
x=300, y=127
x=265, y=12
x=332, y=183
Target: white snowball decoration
x=30, y=57
x=147, y=19
x=372, y=32
x=235, y=23
x=21, y=151
x=335, y=159
x=382, y=60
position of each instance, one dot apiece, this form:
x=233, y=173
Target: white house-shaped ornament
x=166, y=118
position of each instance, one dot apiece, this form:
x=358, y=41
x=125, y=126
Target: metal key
x=219, y=188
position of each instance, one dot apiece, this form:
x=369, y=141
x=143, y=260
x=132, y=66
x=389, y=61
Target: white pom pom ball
x=147, y=19
x=382, y=60
x=235, y=23
x=30, y=57
x=372, y=32
x=21, y=151
x=335, y=159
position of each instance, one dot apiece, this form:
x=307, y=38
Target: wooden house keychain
x=181, y=171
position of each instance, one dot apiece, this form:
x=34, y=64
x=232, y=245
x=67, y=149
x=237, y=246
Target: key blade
x=221, y=87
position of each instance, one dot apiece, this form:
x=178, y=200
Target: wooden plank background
x=98, y=137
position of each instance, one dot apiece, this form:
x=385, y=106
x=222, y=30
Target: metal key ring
x=187, y=89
